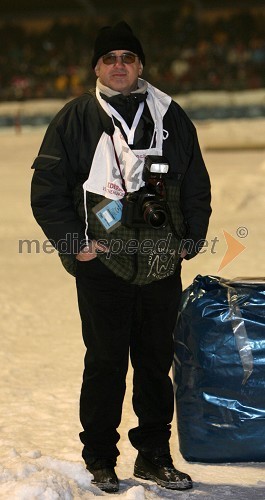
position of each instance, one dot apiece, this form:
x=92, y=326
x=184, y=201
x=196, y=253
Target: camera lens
x=154, y=215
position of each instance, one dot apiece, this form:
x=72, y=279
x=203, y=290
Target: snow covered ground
x=41, y=353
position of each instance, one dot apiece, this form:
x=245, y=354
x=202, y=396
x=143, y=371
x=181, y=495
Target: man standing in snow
x=121, y=190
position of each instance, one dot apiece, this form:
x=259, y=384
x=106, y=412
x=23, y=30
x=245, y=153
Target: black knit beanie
x=118, y=37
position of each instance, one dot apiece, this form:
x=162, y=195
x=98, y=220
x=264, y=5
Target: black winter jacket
x=65, y=158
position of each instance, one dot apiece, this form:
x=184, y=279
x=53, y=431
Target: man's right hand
x=89, y=252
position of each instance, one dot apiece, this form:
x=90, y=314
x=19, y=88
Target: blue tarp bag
x=219, y=370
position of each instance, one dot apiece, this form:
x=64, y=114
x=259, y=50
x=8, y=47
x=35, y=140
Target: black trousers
x=120, y=319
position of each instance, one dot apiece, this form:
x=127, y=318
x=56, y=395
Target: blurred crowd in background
x=183, y=54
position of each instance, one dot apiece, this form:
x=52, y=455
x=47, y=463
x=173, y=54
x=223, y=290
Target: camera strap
x=119, y=167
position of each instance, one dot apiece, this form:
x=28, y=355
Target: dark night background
x=190, y=45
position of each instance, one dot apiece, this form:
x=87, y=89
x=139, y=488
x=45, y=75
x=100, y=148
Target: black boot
x=161, y=470
x=104, y=475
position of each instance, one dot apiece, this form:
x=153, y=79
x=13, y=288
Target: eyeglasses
x=126, y=58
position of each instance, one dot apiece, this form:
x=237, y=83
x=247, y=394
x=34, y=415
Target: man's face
x=119, y=75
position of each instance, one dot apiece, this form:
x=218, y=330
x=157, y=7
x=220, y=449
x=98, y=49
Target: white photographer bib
x=104, y=177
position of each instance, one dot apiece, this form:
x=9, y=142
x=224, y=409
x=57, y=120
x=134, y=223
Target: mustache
x=118, y=72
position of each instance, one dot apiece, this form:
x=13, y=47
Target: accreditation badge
x=109, y=214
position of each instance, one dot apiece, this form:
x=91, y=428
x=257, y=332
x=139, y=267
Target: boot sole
x=107, y=487
x=165, y=484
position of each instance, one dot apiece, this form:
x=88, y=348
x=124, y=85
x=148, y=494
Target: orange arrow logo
x=234, y=248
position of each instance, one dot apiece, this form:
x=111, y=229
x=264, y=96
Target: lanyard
x=129, y=131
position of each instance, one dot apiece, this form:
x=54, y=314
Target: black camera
x=148, y=205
